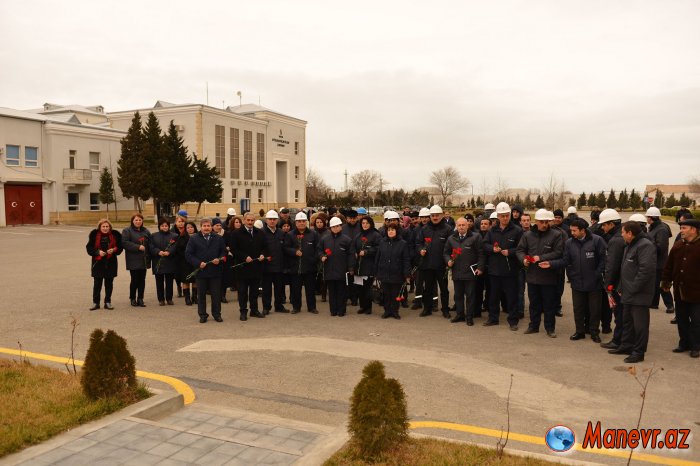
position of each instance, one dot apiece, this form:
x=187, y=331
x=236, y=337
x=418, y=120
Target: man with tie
x=206, y=251
x=249, y=249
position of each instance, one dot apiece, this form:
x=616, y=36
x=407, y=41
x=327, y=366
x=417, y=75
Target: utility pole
x=346, y=179
x=381, y=183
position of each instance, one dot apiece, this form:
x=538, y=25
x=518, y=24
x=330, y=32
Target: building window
x=12, y=155
x=219, y=150
x=296, y=148
x=71, y=159
x=247, y=193
x=296, y=195
x=95, y=161
x=261, y=156
x=234, y=195
x=31, y=157
x=94, y=201
x=248, y=155
x=260, y=195
x=235, y=144
x=296, y=172
x=73, y=201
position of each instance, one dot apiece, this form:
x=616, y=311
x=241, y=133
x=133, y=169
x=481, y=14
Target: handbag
x=377, y=292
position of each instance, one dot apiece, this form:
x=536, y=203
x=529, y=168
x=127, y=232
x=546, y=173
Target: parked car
x=375, y=211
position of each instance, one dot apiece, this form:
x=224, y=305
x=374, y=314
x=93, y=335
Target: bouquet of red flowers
x=363, y=239
x=171, y=243
x=300, y=241
x=530, y=259
x=455, y=253
x=143, y=240
x=326, y=252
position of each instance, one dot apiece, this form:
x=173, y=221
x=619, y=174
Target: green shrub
x=109, y=369
x=378, y=414
x=672, y=212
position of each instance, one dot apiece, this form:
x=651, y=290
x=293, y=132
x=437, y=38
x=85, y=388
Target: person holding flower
x=393, y=269
x=207, y=252
x=366, y=243
x=164, y=263
x=300, y=246
x=337, y=255
x=465, y=258
x=273, y=268
x=248, y=249
x=103, y=246
x=136, y=239
x=430, y=242
x=319, y=221
x=182, y=269
x=191, y=229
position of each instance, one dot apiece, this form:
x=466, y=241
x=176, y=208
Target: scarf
x=98, y=242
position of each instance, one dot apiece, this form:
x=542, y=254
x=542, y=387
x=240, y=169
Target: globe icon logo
x=560, y=438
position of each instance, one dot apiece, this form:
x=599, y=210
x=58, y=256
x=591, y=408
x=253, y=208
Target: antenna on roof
x=240, y=98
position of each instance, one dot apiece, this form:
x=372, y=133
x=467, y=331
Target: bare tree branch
x=316, y=188
x=365, y=181
x=448, y=181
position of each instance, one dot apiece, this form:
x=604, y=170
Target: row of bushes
x=672, y=212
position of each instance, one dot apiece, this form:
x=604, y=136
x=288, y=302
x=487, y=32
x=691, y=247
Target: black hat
x=558, y=213
x=469, y=217
x=284, y=211
x=413, y=214
x=691, y=222
x=351, y=213
x=216, y=221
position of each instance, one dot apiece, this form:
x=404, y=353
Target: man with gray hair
x=207, y=251
x=249, y=251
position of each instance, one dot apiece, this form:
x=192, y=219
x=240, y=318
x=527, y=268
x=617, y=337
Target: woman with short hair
x=103, y=246
x=136, y=239
x=164, y=266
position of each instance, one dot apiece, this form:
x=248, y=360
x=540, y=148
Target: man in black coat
x=430, y=243
x=337, y=254
x=249, y=251
x=659, y=233
x=207, y=250
x=301, y=247
x=274, y=265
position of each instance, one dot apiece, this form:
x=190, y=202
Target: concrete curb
x=155, y=407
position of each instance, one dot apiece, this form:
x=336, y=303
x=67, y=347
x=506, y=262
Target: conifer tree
x=131, y=168
x=153, y=154
x=635, y=201
x=612, y=200
x=179, y=167
x=206, y=184
x=592, y=200
x=539, y=202
x=107, y=195
x=659, y=199
x=623, y=200
x=581, y=201
x=600, y=200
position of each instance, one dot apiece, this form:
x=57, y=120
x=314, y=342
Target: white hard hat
x=653, y=212
x=544, y=214
x=271, y=214
x=502, y=208
x=436, y=209
x=335, y=221
x=231, y=211
x=489, y=206
x=300, y=216
x=609, y=215
x=571, y=210
x=424, y=212
x=493, y=215
x=258, y=223
x=390, y=215
x=638, y=218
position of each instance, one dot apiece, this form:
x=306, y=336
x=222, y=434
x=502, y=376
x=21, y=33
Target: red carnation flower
x=363, y=239
x=428, y=240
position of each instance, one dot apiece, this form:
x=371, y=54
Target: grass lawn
x=422, y=452
x=38, y=402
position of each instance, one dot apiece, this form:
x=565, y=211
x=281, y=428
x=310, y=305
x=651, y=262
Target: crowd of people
x=617, y=270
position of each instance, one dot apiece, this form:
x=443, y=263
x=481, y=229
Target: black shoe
x=531, y=330
x=458, y=318
x=633, y=358
x=188, y=301
x=224, y=300
x=489, y=323
x=446, y=314
x=95, y=307
x=551, y=334
x=386, y=315
x=396, y=316
x=169, y=302
x=619, y=350
x=360, y=311
x=607, y=329
x=244, y=317
x=161, y=303
x=179, y=291
x=670, y=310
x=559, y=314
x=674, y=321
x=368, y=312
x=296, y=311
x=470, y=322
x=313, y=311
x=218, y=319
x=257, y=314
x=341, y=314
x=282, y=310
x=610, y=345
x=577, y=336
x=203, y=320
x=595, y=338
x=415, y=306
x=426, y=313
x=140, y=303
x=265, y=312
x=679, y=349
x=134, y=303
x=109, y=306
x=695, y=354
x=513, y=328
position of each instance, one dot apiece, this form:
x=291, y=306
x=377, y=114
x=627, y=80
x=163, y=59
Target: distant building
x=677, y=190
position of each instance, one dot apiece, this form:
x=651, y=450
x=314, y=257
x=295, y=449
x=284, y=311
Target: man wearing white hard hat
x=301, y=246
x=500, y=245
x=659, y=234
x=610, y=225
x=430, y=242
x=337, y=256
x=423, y=219
x=273, y=267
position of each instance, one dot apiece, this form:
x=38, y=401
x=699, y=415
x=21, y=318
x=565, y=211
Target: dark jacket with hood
x=365, y=264
x=613, y=261
x=274, y=247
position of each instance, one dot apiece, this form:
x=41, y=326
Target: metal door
x=23, y=204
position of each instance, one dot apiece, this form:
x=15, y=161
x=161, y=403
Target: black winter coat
x=613, y=261
x=199, y=250
x=183, y=268
x=351, y=231
x=341, y=258
x=548, y=245
x=274, y=247
x=584, y=262
x=393, y=261
x=365, y=264
x=309, y=251
x=471, y=252
x=638, y=273
x=242, y=246
x=131, y=239
x=438, y=234
x=508, y=238
x=161, y=242
x=106, y=266
x=659, y=234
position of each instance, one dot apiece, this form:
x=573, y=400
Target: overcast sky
x=602, y=93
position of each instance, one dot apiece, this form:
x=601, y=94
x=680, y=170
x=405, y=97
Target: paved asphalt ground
x=303, y=367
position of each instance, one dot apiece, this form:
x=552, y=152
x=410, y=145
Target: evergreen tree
x=479, y=201
x=572, y=202
x=179, y=167
x=671, y=201
x=592, y=200
x=581, y=201
x=153, y=153
x=107, y=195
x=518, y=200
x=659, y=199
x=131, y=167
x=206, y=184
x=623, y=201
x=612, y=200
x=684, y=201
x=635, y=201
x=600, y=200
x=539, y=202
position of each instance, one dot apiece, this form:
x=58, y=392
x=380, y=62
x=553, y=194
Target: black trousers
x=688, y=317
x=444, y=291
x=481, y=297
x=618, y=312
x=543, y=300
x=97, y=288
x=248, y=293
x=270, y=280
x=587, y=306
x=635, y=331
x=164, y=286
x=561, y=284
x=308, y=281
x=419, y=287
x=431, y=279
x=606, y=314
x=365, y=294
x=391, y=292
x=507, y=286
x=213, y=286
x=137, y=286
x=337, y=296
x=465, y=289
x=353, y=290
x=659, y=293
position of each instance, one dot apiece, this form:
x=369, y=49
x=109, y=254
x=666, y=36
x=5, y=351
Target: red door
x=23, y=204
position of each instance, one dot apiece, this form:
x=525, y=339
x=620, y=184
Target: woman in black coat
x=366, y=244
x=393, y=267
x=191, y=230
x=104, y=245
x=182, y=268
x=163, y=253
x=320, y=224
x=135, y=239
